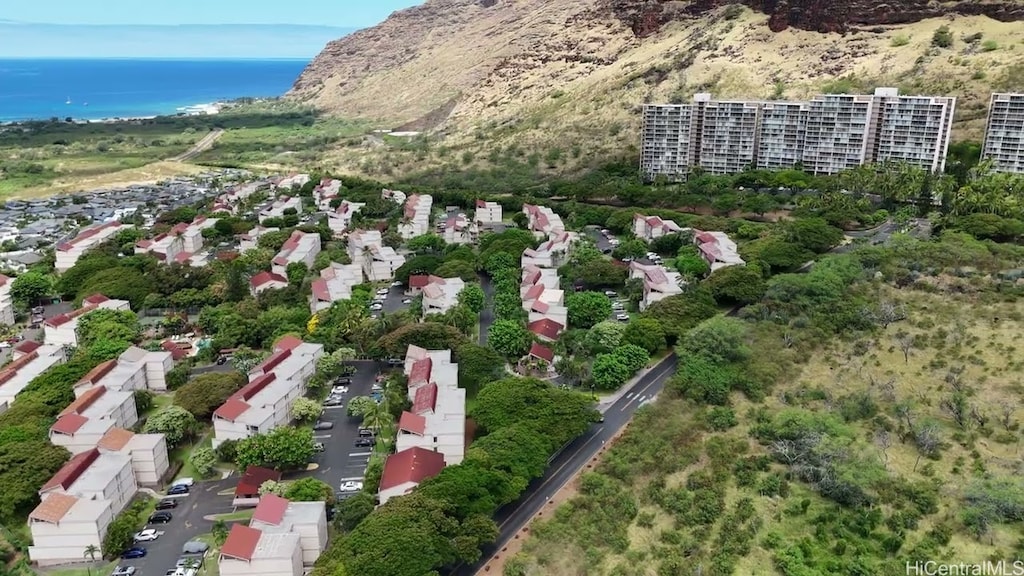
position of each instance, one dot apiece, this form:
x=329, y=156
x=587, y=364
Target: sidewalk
x=606, y=402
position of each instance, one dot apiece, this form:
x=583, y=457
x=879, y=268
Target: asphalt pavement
x=487, y=313
x=599, y=239
x=393, y=303
x=567, y=463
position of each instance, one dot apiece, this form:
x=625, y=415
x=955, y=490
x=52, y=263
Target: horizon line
x=166, y=58
x=157, y=25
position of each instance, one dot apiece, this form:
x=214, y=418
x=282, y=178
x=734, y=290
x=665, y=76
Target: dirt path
x=203, y=145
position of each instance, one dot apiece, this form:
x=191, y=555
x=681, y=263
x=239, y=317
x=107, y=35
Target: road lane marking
x=641, y=393
x=334, y=407
x=354, y=454
x=322, y=437
x=352, y=479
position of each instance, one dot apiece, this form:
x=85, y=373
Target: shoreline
x=203, y=109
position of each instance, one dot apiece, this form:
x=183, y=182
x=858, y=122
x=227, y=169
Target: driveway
x=187, y=522
x=341, y=460
x=487, y=313
x=599, y=239
x=393, y=303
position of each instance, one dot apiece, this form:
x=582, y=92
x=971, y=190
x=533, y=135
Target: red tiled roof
x=182, y=257
x=97, y=373
x=11, y=369
x=231, y=409
x=115, y=439
x=425, y=399
x=275, y=359
x=546, y=327
x=532, y=276
x=542, y=352
x=704, y=237
x=87, y=233
x=177, y=353
x=69, y=423
x=254, y=387
x=254, y=477
x=70, y=472
x=288, y=342
x=420, y=372
x=53, y=508
x=419, y=281
x=656, y=276
x=265, y=278
x=83, y=402
x=411, y=465
x=320, y=290
x=413, y=423
x=534, y=292
x=271, y=509
x=95, y=299
x=538, y=306
x=27, y=346
x=144, y=244
x=481, y=204
x=241, y=542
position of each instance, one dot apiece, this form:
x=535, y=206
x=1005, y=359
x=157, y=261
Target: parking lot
x=393, y=301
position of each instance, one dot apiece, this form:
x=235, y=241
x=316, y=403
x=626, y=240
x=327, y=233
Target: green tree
x=296, y=273
x=646, y=333
x=429, y=335
x=360, y=406
x=174, y=422
x=604, y=337
x=426, y=244
x=309, y=490
x=737, y=284
x=206, y=392
x=690, y=263
x=31, y=287
x=609, y=372
x=633, y=248
x=509, y=338
x=478, y=365
x=203, y=459
x=572, y=370
x=814, y=234
x=305, y=410
x=219, y=530
x=424, y=264
x=106, y=324
x=634, y=357
x=587, y=308
x=557, y=414
x=352, y=511
x=777, y=253
x=518, y=450
x=679, y=313
x=284, y=448
x=499, y=261
x=457, y=269
x=720, y=339
x=25, y=465
x=473, y=297
x=597, y=274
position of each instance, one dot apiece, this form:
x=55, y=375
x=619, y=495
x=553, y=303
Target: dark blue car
x=179, y=489
x=136, y=552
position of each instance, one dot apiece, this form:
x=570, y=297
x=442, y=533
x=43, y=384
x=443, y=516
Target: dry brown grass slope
x=546, y=75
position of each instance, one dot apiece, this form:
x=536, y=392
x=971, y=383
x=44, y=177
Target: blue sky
x=344, y=13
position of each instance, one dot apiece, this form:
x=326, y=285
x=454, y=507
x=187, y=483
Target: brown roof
x=254, y=477
x=266, y=277
x=545, y=327
x=53, y=508
x=411, y=465
x=289, y=342
x=95, y=299
x=97, y=373
x=27, y=346
x=271, y=362
x=425, y=399
x=83, y=402
x=418, y=281
x=271, y=509
x=420, y=372
x=11, y=369
x=115, y=439
x=413, y=423
x=241, y=542
x=542, y=352
x=70, y=472
x=69, y=423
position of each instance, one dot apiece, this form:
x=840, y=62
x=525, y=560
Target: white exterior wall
x=287, y=566
x=6, y=304
x=396, y=491
x=149, y=462
x=63, y=542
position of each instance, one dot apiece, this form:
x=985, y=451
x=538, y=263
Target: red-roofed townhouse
x=300, y=248
x=276, y=515
x=659, y=282
x=459, y=229
x=327, y=190
x=552, y=253
x=542, y=220
x=538, y=361
x=265, y=402
x=436, y=420
x=649, y=228
x=406, y=469
x=717, y=249
x=251, y=239
x=379, y=262
x=339, y=219
x=252, y=552
x=277, y=209
x=487, y=213
x=441, y=294
x=147, y=451
x=546, y=329
x=179, y=244
x=62, y=329
x=29, y=360
x=81, y=425
x=6, y=303
x=335, y=283
x=267, y=281
x=416, y=216
x=68, y=253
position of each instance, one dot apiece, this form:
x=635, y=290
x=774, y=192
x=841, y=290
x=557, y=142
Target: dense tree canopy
x=555, y=413
x=587, y=308
x=509, y=338
x=677, y=314
x=283, y=448
x=206, y=392
x=737, y=284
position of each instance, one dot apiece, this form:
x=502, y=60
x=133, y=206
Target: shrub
x=989, y=46
x=942, y=38
x=721, y=418
x=900, y=40
x=120, y=532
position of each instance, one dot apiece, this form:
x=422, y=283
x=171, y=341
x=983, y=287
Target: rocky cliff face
x=647, y=17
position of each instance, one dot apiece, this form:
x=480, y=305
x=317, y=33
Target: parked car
x=222, y=360
x=618, y=306
x=177, y=490
x=192, y=561
x=351, y=486
x=622, y=317
x=38, y=310
x=366, y=432
x=334, y=401
x=184, y=482
x=323, y=425
x=134, y=552
x=376, y=307
x=610, y=293
x=339, y=390
x=159, y=518
x=147, y=535
x=123, y=571
x=396, y=284
x=166, y=503
x=195, y=547
x=376, y=389
x=407, y=301
x=318, y=446
x=343, y=381
x=395, y=362
x=364, y=442
x=383, y=291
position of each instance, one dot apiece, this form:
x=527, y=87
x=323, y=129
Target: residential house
x=396, y=196
x=180, y=244
x=61, y=330
x=266, y=281
x=487, y=213
x=441, y=294
x=437, y=419
x=340, y=219
x=251, y=552
x=379, y=262
x=265, y=402
x=326, y=191
x=247, y=491
x=542, y=220
x=90, y=490
x=648, y=228
x=532, y=276
x=551, y=254
x=251, y=239
x=459, y=230
x=67, y=253
x=546, y=329
x=335, y=283
x=81, y=425
x=28, y=360
x=300, y=248
x=6, y=303
x=659, y=282
x=148, y=452
x=542, y=296
x=278, y=207
x=276, y=515
x=717, y=249
x=539, y=361
x=416, y=217
x=405, y=469
x=291, y=181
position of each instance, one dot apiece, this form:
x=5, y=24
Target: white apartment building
x=659, y=282
x=459, y=229
x=6, y=303
x=266, y=281
x=668, y=141
x=649, y=228
x=81, y=425
x=552, y=253
x=327, y=190
x=912, y=129
x=229, y=200
x=61, y=330
x=278, y=208
x=251, y=239
x=68, y=252
x=292, y=181
x=29, y=359
x=265, y=402
x=542, y=220
x=837, y=135
x=340, y=219
x=487, y=213
x=134, y=369
x=379, y=262
x=406, y=469
x=781, y=135
x=416, y=217
x=147, y=451
x=276, y=515
x=61, y=527
x=728, y=142
x=335, y=283
x=301, y=247
x=396, y=196
x=533, y=275
x=1004, y=133
x=180, y=244
x=717, y=249
x=437, y=419
x=441, y=294
x=251, y=552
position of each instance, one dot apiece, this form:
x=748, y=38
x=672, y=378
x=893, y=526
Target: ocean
x=84, y=89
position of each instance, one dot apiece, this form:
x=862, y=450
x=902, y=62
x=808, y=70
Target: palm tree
x=90, y=552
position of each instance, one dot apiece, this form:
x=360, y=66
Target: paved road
x=187, y=522
x=203, y=145
x=599, y=239
x=564, y=466
x=487, y=313
x=225, y=367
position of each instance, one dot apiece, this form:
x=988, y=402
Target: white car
x=622, y=317
x=618, y=306
x=5, y=344
x=184, y=482
x=351, y=486
x=376, y=307
x=147, y=535
x=396, y=284
x=339, y=390
x=383, y=292
x=407, y=301
x=610, y=293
